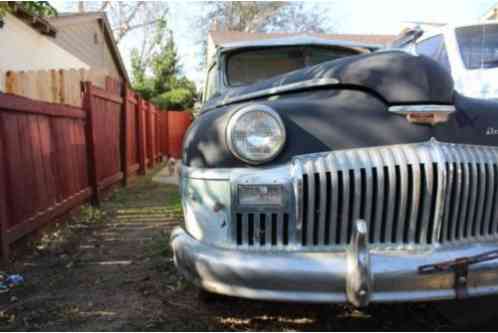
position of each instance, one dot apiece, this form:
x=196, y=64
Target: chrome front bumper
x=302, y=251
x=328, y=276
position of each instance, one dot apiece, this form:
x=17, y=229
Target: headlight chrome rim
x=237, y=115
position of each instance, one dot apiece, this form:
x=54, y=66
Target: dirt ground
x=111, y=269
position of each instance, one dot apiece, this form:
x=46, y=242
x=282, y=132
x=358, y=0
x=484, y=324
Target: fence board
x=4, y=183
x=164, y=135
x=132, y=131
x=178, y=123
x=56, y=156
x=106, y=126
x=2, y=81
x=54, y=86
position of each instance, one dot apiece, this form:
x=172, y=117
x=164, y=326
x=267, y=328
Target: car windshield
x=256, y=65
x=479, y=45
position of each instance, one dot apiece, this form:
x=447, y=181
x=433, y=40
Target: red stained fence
x=178, y=123
x=56, y=157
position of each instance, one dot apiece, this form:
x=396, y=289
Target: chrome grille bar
x=417, y=194
x=414, y=195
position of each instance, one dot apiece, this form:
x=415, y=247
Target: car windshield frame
x=228, y=56
x=479, y=32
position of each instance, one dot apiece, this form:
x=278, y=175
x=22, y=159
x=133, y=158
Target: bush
x=175, y=99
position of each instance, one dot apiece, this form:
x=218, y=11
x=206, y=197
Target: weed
x=91, y=215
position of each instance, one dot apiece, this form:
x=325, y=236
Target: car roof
x=296, y=41
x=432, y=32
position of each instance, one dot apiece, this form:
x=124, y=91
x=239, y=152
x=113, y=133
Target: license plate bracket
x=460, y=268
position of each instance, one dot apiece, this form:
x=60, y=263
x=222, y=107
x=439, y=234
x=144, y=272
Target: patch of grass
x=90, y=214
x=158, y=247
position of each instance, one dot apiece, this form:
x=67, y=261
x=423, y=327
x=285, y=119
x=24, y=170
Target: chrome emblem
x=491, y=131
x=424, y=114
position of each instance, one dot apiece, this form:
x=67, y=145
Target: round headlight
x=255, y=134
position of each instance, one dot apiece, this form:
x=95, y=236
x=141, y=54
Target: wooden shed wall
x=87, y=41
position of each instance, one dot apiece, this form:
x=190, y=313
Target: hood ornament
x=424, y=114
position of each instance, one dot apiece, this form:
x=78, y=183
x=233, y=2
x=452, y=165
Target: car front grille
x=415, y=194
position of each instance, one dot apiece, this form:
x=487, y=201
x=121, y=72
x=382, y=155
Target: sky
x=346, y=16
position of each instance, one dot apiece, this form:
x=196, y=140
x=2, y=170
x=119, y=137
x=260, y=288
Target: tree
x=299, y=17
x=36, y=8
x=259, y=16
x=248, y=16
x=159, y=79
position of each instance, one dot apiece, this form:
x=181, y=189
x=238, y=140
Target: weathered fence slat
x=54, y=86
x=4, y=214
x=90, y=137
x=142, y=139
x=56, y=157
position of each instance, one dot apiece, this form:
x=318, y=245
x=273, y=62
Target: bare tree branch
x=104, y=5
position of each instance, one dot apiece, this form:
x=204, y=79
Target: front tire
x=208, y=297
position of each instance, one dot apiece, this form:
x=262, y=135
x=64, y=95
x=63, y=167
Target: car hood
x=394, y=76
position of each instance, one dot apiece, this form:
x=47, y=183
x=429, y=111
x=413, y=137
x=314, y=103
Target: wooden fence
x=178, y=123
x=56, y=157
x=54, y=86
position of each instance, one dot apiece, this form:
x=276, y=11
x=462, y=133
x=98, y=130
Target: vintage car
x=321, y=171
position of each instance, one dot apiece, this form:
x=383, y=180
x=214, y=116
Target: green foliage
x=175, y=99
x=159, y=79
x=90, y=214
x=36, y=8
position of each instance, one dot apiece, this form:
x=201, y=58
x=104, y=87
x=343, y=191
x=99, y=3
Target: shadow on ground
x=111, y=269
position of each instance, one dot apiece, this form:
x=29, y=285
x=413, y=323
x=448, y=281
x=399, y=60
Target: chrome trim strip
x=404, y=109
x=490, y=193
x=297, y=175
x=390, y=163
x=447, y=224
x=403, y=170
x=441, y=193
x=314, y=83
x=310, y=220
x=323, y=203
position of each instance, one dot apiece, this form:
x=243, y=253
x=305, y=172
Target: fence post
x=166, y=133
x=4, y=216
x=141, y=139
x=150, y=137
x=90, y=141
x=124, y=135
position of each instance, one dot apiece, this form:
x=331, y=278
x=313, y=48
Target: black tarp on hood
x=395, y=76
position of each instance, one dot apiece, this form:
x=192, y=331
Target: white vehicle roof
x=437, y=30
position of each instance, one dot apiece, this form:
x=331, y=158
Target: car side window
x=211, y=82
x=430, y=47
x=443, y=58
x=435, y=48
